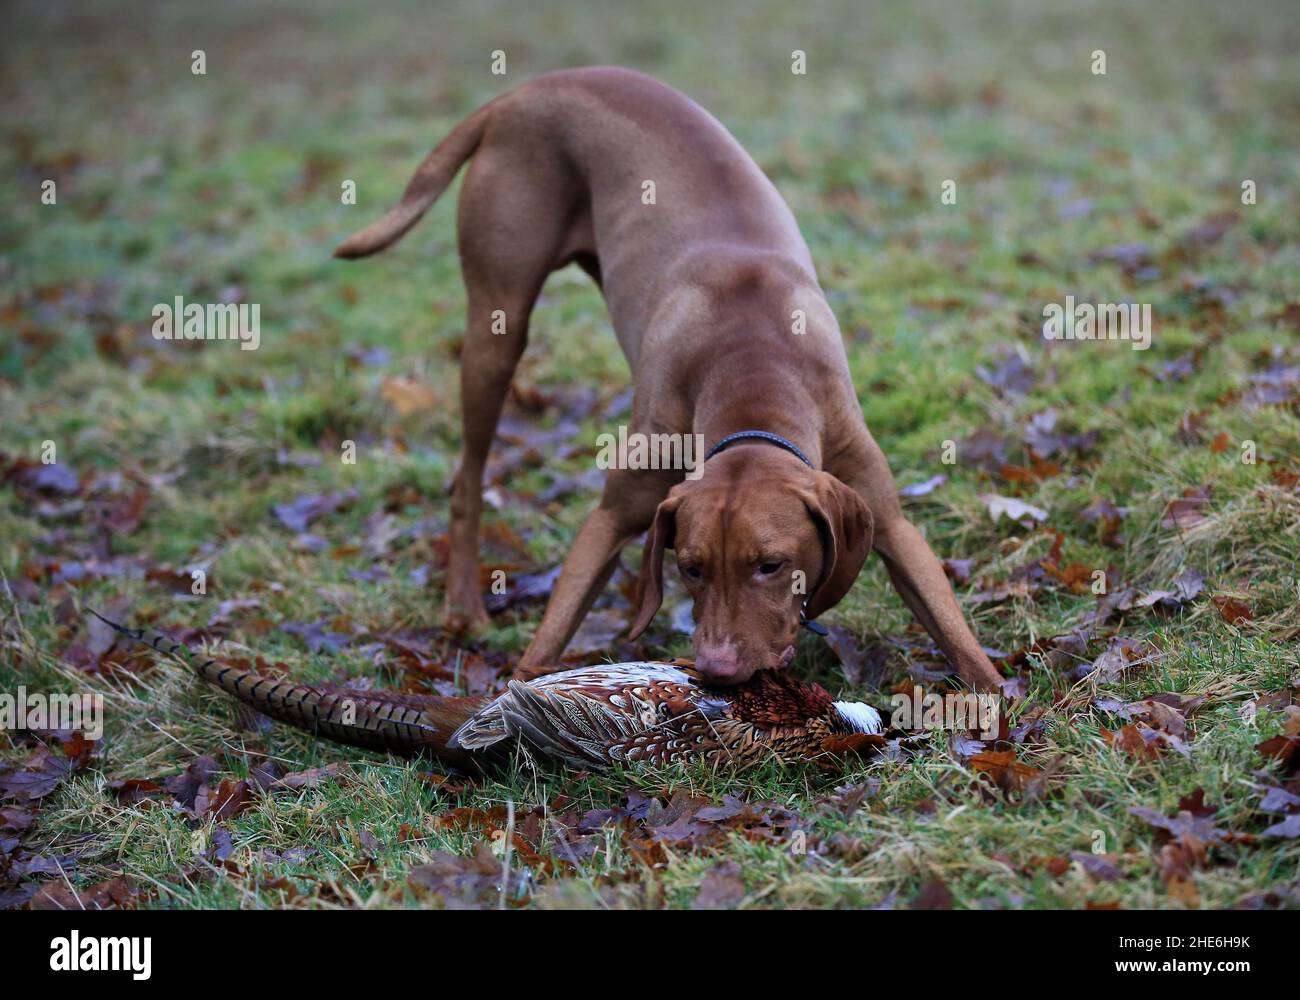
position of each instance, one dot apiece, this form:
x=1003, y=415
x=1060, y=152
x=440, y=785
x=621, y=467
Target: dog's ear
x=650, y=583
x=845, y=523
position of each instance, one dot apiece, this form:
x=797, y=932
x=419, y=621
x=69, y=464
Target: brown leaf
x=115, y=894
x=1140, y=743
x=1040, y=784
x=35, y=479
x=1004, y=769
x=1188, y=510
x=1233, y=611
x=1288, y=827
x=1038, y=470
x=1100, y=866
x=722, y=888
x=186, y=785
x=858, y=665
x=1119, y=656
x=407, y=395
x=16, y=818
x=935, y=895
x=131, y=790
x=1284, y=749
x=311, y=778
x=1177, y=862
x=228, y=800
x=39, y=775
x=1013, y=376
x=467, y=882
x=1012, y=508
x=1108, y=516
x=124, y=517
x=1076, y=576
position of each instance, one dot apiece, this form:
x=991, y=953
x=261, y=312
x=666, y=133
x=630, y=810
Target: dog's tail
x=377, y=720
x=431, y=179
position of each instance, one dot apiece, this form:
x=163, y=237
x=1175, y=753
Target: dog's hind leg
x=513, y=228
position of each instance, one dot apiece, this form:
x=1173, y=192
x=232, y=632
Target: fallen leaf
x=55, y=478
x=1187, y=587
x=1233, y=611
x=1099, y=866
x=958, y=570
x=1041, y=436
x=226, y=801
x=37, y=777
x=185, y=786
x=522, y=588
x=1289, y=828
x=407, y=395
x=1004, y=769
x=1011, y=377
x=859, y=666
x=1188, y=510
x=1141, y=743
x=934, y=895
x=721, y=888
x=923, y=488
x=1014, y=509
x=131, y=790
x=300, y=513
x=468, y=882
x=311, y=778
x=115, y=894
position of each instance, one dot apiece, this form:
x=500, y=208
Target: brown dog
x=716, y=305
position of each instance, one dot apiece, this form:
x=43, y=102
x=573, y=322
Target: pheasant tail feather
x=404, y=724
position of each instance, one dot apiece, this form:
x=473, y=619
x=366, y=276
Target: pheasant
x=590, y=717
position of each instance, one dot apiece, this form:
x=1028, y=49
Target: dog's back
x=647, y=178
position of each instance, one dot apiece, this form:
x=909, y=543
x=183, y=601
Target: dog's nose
x=719, y=667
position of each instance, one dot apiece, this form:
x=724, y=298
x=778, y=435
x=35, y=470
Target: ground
x=1170, y=470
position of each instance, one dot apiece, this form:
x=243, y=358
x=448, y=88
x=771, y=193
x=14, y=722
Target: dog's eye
x=770, y=568
x=691, y=572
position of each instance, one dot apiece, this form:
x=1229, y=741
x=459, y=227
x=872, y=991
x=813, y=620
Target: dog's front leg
x=625, y=512
x=913, y=567
x=918, y=577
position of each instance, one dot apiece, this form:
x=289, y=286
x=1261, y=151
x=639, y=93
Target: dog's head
x=759, y=537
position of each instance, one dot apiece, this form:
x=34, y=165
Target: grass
x=173, y=184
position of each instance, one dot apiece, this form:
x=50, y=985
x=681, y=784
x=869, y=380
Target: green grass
x=174, y=184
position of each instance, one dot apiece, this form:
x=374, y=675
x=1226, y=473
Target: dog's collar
x=816, y=628
x=767, y=436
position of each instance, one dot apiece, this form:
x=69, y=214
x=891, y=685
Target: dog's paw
x=465, y=616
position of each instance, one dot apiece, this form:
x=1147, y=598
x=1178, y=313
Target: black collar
x=767, y=436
